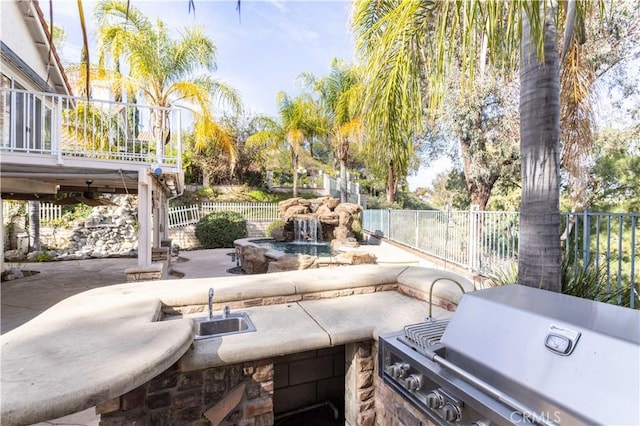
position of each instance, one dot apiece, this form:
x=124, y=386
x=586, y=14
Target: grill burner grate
x=424, y=336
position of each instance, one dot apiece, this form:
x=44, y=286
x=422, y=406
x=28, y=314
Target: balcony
x=58, y=129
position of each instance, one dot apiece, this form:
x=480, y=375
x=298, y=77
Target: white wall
x=16, y=35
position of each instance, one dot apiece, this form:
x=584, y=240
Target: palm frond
x=207, y=131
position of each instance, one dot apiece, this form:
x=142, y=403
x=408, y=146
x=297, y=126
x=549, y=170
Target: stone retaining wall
x=185, y=237
x=109, y=231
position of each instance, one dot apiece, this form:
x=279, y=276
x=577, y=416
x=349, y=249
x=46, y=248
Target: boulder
x=294, y=211
x=342, y=233
x=14, y=256
x=284, y=205
x=278, y=234
x=355, y=258
x=350, y=208
x=332, y=203
x=327, y=210
x=316, y=203
x=346, y=219
x=293, y=262
x=254, y=260
x=330, y=218
x=323, y=210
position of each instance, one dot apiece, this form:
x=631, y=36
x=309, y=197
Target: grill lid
x=574, y=360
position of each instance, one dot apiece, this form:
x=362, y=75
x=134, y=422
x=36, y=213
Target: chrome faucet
x=211, y=303
x=430, y=317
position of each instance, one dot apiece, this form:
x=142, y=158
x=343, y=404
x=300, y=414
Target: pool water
x=313, y=249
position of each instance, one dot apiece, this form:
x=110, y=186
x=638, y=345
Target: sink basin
x=218, y=325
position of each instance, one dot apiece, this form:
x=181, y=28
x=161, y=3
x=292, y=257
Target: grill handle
x=482, y=385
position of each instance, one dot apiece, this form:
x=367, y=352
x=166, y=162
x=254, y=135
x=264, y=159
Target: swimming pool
x=313, y=249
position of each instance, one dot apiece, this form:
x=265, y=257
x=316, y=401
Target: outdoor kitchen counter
x=102, y=343
x=307, y=325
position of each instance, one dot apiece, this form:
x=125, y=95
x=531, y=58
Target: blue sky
x=259, y=56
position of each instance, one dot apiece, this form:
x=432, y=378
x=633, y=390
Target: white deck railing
x=65, y=126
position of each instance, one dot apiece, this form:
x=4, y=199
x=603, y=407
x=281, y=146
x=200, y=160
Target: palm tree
x=34, y=225
x=299, y=121
x=392, y=75
x=163, y=69
x=415, y=43
x=340, y=95
x=540, y=251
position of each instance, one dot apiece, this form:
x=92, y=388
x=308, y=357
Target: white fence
x=252, y=212
x=485, y=242
x=183, y=216
x=186, y=215
x=50, y=212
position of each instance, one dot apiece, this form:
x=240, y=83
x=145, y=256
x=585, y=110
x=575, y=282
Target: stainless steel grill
x=517, y=355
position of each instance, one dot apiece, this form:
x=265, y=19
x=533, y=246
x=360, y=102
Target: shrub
x=43, y=256
x=272, y=226
x=220, y=229
x=588, y=282
x=71, y=215
x=356, y=227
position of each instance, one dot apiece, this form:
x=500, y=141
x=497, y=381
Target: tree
x=485, y=124
x=539, y=251
x=593, y=66
x=210, y=166
x=449, y=191
x=391, y=75
x=340, y=94
x=616, y=171
x=416, y=43
x=34, y=225
x=163, y=69
x=299, y=120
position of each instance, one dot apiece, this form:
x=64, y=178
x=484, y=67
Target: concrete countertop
x=312, y=324
x=102, y=343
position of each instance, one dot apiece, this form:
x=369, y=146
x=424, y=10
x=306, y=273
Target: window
x=25, y=120
x=5, y=111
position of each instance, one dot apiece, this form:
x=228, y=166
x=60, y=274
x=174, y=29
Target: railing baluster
x=93, y=129
x=632, y=283
x=619, y=259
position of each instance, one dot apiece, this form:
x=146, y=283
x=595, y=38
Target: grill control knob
x=398, y=370
x=450, y=412
x=434, y=400
x=413, y=382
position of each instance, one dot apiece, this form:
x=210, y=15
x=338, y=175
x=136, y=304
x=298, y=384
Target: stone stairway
x=257, y=229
